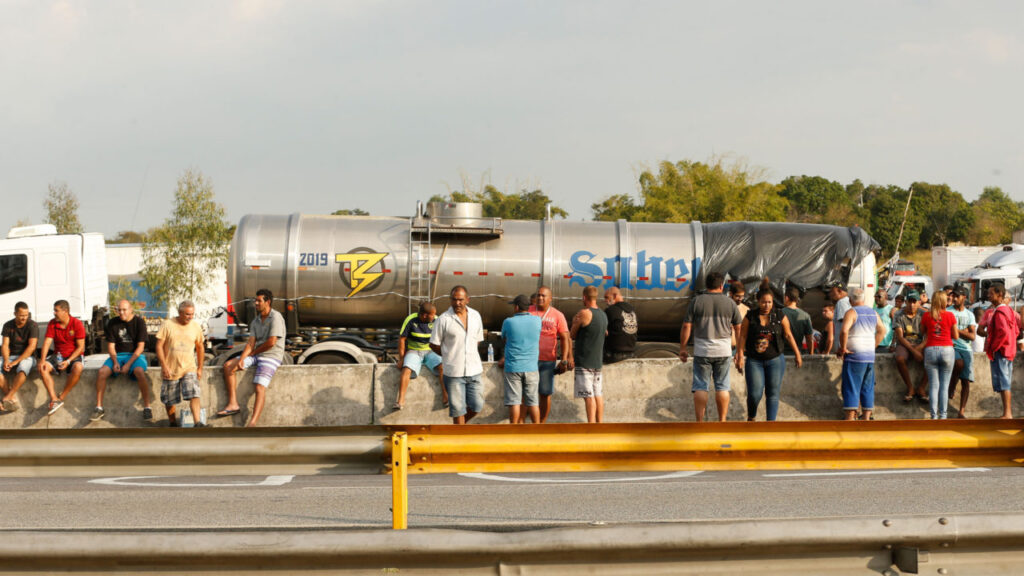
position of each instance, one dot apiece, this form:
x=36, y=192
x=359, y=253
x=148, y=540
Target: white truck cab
x=39, y=267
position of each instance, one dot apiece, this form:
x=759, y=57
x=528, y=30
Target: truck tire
x=330, y=357
x=656, y=350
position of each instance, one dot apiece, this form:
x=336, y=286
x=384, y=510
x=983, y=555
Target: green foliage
x=811, y=198
x=127, y=237
x=944, y=214
x=61, y=207
x=122, y=290
x=996, y=216
x=352, y=212
x=526, y=205
x=181, y=256
x=885, y=215
x=687, y=191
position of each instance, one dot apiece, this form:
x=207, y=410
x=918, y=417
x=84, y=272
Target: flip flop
x=226, y=413
x=908, y=398
x=397, y=406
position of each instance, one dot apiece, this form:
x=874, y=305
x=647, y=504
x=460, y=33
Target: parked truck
x=39, y=266
x=1002, y=267
x=950, y=262
x=342, y=281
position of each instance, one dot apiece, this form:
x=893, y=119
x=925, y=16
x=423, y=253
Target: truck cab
x=1003, y=267
x=39, y=266
x=903, y=284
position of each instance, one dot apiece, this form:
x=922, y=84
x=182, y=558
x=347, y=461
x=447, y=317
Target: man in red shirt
x=1001, y=345
x=67, y=336
x=554, y=330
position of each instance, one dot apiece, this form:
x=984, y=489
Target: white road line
x=480, y=476
x=867, y=472
x=126, y=481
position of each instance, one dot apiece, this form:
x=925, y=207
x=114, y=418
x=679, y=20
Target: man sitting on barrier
x=714, y=320
x=179, y=346
x=67, y=336
x=456, y=335
x=20, y=338
x=264, y=350
x=414, y=351
x=126, y=336
x=906, y=326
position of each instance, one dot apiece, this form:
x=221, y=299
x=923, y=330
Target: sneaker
x=199, y=425
x=54, y=406
x=11, y=406
x=147, y=414
x=97, y=413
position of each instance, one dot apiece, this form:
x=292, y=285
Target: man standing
x=456, y=335
x=554, y=331
x=737, y=292
x=837, y=293
x=799, y=322
x=126, y=342
x=861, y=331
x=718, y=322
x=414, y=351
x=264, y=350
x=620, y=344
x=179, y=346
x=521, y=334
x=907, y=334
x=67, y=336
x=1001, y=345
x=963, y=366
x=20, y=338
x=589, y=327
x=884, y=311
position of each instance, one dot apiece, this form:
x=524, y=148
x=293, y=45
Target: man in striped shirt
x=414, y=351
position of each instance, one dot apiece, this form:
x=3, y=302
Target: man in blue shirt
x=521, y=334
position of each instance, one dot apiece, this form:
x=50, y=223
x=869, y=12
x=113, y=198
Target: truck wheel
x=330, y=358
x=656, y=350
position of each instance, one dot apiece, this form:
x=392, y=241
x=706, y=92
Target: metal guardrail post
x=400, y=480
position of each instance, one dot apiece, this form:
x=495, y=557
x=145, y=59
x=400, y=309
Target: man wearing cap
x=907, y=335
x=963, y=366
x=837, y=293
x=521, y=334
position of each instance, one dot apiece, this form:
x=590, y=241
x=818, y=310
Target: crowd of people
x=538, y=342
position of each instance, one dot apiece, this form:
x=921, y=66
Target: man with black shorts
x=66, y=334
x=21, y=336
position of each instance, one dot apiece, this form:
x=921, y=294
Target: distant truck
x=951, y=262
x=1002, y=267
x=39, y=266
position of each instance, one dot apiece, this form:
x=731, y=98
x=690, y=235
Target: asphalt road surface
x=498, y=501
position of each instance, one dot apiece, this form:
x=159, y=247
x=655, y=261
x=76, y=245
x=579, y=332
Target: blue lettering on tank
x=651, y=272
x=583, y=272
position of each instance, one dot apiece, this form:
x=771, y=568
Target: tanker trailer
x=330, y=274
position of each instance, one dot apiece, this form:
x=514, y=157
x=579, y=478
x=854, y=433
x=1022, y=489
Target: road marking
x=125, y=481
x=480, y=476
x=866, y=472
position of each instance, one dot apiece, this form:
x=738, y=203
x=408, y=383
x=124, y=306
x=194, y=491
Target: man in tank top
x=860, y=333
x=589, y=327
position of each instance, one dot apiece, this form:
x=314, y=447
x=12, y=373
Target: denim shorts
x=967, y=372
x=1002, y=372
x=521, y=388
x=546, y=370
x=464, y=393
x=25, y=366
x=123, y=357
x=414, y=359
x=707, y=370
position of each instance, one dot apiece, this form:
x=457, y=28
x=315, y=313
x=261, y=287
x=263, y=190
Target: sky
x=311, y=107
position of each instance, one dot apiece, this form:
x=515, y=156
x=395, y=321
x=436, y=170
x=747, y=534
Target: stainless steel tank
x=361, y=271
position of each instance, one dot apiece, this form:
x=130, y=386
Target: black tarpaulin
x=803, y=255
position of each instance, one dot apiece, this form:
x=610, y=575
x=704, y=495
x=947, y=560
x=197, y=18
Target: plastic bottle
x=490, y=352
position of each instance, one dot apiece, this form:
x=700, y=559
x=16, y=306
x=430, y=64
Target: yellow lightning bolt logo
x=360, y=265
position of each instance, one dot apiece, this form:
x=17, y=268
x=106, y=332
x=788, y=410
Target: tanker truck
x=344, y=284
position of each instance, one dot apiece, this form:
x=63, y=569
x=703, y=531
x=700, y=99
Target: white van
x=39, y=267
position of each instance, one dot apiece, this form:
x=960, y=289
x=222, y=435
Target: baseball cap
x=913, y=295
x=961, y=291
x=522, y=301
x=835, y=284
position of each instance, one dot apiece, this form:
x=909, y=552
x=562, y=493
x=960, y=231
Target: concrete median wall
x=634, y=391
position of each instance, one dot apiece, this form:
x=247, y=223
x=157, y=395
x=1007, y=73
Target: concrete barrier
x=634, y=391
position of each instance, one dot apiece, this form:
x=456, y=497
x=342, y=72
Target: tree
x=709, y=192
x=885, y=216
x=526, y=205
x=812, y=197
x=181, y=256
x=122, y=289
x=128, y=237
x=61, y=207
x=352, y=212
x=945, y=215
x=996, y=216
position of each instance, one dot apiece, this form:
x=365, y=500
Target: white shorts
x=587, y=383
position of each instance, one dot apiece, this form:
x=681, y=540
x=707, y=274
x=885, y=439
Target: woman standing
x=939, y=327
x=761, y=341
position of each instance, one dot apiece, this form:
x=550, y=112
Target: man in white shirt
x=456, y=335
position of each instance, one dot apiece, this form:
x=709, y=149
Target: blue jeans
x=858, y=385
x=464, y=393
x=764, y=376
x=938, y=364
x=711, y=371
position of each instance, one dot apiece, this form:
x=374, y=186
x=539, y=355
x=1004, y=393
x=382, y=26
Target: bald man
x=620, y=344
x=126, y=336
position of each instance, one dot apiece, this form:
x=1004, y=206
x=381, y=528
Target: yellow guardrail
x=707, y=446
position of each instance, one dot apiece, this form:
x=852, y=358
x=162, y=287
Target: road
x=498, y=502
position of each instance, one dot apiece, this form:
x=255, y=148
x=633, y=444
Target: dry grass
x=921, y=258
